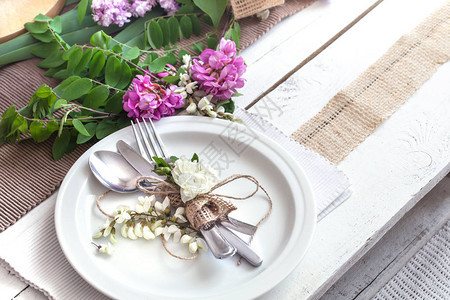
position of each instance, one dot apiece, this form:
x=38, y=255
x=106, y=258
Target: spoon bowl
x=113, y=171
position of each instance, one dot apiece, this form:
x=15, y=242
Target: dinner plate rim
x=309, y=221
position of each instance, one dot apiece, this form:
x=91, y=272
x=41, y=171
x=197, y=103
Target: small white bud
x=191, y=109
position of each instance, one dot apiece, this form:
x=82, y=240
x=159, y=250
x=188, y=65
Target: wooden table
x=293, y=71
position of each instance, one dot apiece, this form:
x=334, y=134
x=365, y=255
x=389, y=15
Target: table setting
x=187, y=149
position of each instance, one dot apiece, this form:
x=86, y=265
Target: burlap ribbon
x=205, y=209
x=245, y=8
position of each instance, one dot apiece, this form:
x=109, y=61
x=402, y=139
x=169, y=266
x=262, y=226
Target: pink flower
x=151, y=100
x=219, y=72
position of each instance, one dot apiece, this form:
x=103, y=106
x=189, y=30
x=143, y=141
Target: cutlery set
x=119, y=172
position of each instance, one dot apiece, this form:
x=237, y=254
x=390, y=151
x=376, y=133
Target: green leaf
x=87, y=55
x=55, y=24
x=60, y=88
x=45, y=50
x=107, y=126
x=198, y=47
x=235, y=37
x=82, y=7
x=38, y=132
x=172, y=79
x=228, y=105
x=214, y=9
x=114, y=104
x=173, y=159
x=186, y=26
x=77, y=89
x=96, y=97
x=42, y=18
x=45, y=37
x=112, y=71
x=74, y=59
x=36, y=27
x=172, y=58
x=117, y=49
x=125, y=76
x=160, y=162
x=165, y=29
x=173, y=29
x=182, y=53
x=132, y=53
x=52, y=61
x=196, y=27
x=97, y=64
x=60, y=144
x=194, y=158
x=90, y=127
x=80, y=127
x=155, y=35
x=100, y=39
x=43, y=91
x=158, y=64
x=58, y=104
x=212, y=41
x=69, y=52
x=62, y=74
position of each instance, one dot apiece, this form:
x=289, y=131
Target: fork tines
x=148, y=139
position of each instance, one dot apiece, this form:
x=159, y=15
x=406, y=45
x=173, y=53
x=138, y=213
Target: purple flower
x=139, y=8
x=170, y=6
x=219, y=72
x=151, y=100
x=107, y=12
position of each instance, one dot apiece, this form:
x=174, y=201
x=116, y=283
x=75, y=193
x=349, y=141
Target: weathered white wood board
x=396, y=248
x=293, y=41
x=10, y=286
x=390, y=171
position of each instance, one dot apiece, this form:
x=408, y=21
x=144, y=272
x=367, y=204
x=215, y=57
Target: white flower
x=186, y=61
x=145, y=203
x=147, y=233
x=130, y=233
x=184, y=78
x=190, y=87
x=220, y=109
x=205, y=103
x=161, y=207
x=124, y=230
x=169, y=230
x=97, y=235
x=179, y=215
x=156, y=225
x=193, y=178
x=194, y=243
x=211, y=113
x=192, y=108
x=263, y=15
x=108, y=249
x=122, y=215
x=138, y=231
x=159, y=231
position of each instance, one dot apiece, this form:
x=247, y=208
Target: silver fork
x=150, y=145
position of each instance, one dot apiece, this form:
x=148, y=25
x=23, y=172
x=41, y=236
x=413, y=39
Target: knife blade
x=141, y=165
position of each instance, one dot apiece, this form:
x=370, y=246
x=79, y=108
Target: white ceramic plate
x=141, y=269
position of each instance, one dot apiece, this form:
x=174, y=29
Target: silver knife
x=141, y=165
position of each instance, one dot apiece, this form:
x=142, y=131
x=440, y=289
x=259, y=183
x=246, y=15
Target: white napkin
x=30, y=249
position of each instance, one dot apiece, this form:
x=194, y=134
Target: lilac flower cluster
x=107, y=12
x=219, y=72
x=151, y=100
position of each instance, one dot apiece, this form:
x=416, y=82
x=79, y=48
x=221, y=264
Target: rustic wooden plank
x=293, y=42
x=390, y=171
x=396, y=248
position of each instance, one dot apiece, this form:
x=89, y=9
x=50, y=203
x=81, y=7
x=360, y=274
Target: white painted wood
x=10, y=285
x=390, y=171
x=396, y=248
x=293, y=41
x=31, y=294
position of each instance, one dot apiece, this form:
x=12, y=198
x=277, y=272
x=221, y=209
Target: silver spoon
x=113, y=171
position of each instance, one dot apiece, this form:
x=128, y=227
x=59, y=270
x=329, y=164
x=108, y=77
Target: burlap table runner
x=356, y=111
x=28, y=173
